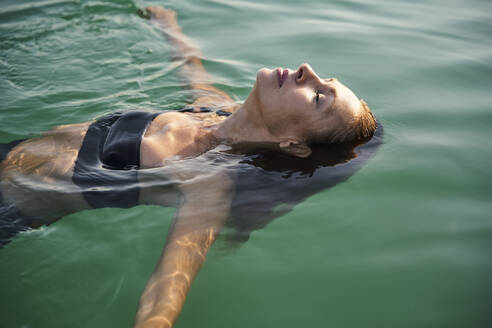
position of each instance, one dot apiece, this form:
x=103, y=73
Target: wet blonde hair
x=361, y=128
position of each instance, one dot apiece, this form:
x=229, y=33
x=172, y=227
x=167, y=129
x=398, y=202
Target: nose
x=305, y=73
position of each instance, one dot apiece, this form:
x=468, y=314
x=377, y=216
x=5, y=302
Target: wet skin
x=297, y=102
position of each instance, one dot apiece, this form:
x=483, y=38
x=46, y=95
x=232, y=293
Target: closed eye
x=317, y=96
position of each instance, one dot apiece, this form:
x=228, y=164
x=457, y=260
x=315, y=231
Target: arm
x=200, y=218
x=185, y=51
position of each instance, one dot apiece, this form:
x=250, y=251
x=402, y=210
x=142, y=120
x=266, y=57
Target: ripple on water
x=408, y=233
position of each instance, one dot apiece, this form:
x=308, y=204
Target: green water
x=405, y=242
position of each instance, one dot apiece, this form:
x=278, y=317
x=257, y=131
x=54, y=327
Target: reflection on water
x=269, y=184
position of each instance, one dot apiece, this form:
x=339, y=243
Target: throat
x=244, y=126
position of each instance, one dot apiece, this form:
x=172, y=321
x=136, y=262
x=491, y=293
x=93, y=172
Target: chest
x=174, y=136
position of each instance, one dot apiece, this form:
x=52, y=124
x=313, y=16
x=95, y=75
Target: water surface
x=405, y=242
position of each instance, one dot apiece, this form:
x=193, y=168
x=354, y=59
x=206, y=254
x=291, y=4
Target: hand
x=166, y=16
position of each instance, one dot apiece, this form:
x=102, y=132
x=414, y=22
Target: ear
x=297, y=149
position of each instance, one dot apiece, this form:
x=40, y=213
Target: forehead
x=346, y=101
x=335, y=83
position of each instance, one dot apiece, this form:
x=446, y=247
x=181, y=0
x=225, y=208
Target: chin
x=264, y=78
x=263, y=73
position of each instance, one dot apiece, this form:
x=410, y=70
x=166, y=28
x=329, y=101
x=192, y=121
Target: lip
x=282, y=75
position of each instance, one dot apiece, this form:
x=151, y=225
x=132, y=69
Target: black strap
x=204, y=110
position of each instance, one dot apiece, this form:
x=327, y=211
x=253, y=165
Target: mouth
x=281, y=75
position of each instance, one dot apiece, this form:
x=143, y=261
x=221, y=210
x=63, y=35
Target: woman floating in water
x=216, y=161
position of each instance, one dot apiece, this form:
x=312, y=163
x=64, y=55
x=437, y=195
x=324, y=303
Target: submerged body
x=212, y=168
x=37, y=175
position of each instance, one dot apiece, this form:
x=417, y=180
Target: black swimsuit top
x=107, y=163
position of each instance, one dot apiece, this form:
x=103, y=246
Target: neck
x=245, y=125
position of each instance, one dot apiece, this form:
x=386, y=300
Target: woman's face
x=294, y=104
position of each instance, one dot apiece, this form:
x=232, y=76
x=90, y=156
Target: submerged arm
x=187, y=52
x=200, y=218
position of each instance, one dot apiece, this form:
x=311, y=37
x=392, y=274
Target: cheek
x=289, y=121
x=297, y=110
x=286, y=113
